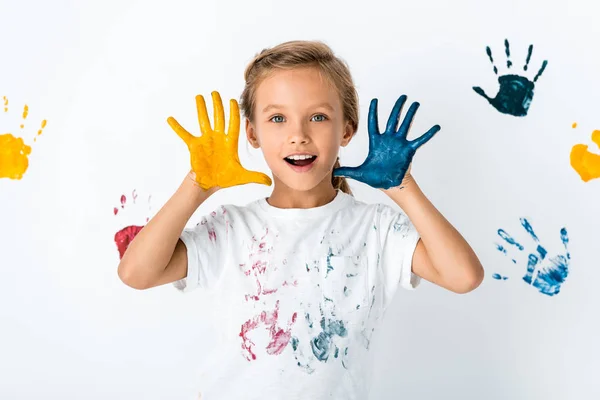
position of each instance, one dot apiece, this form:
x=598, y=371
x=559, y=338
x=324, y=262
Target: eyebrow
x=278, y=106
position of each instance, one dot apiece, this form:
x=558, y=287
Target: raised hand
x=390, y=153
x=214, y=154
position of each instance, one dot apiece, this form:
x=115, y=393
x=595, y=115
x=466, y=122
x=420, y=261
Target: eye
x=276, y=118
x=319, y=118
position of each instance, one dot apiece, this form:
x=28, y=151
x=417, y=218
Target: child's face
x=298, y=111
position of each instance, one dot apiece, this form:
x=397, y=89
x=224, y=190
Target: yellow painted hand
x=214, y=155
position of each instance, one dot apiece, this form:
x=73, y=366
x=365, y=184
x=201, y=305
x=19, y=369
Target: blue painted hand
x=516, y=92
x=547, y=279
x=390, y=153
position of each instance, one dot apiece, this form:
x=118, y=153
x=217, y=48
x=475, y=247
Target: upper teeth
x=300, y=157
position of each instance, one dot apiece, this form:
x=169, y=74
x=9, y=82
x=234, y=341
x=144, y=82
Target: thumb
x=180, y=130
x=355, y=173
x=256, y=177
x=480, y=92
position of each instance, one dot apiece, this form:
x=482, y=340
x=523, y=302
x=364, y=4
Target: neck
x=285, y=197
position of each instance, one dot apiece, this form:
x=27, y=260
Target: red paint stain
x=126, y=235
x=279, y=337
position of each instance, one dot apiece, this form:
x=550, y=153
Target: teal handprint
x=390, y=153
x=516, y=92
x=547, y=279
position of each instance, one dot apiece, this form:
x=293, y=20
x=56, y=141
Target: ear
x=251, y=134
x=348, y=134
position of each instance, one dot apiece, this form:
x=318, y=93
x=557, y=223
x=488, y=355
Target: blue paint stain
x=307, y=368
x=351, y=275
x=547, y=279
x=308, y=320
x=390, y=153
x=329, y=266
x=321, y=345
x=357, y=306
x=337, y=350
x=501, y=248
x=516, y=92
x=346, y=291
x=507, y=50
x=509, y=239
x=399, y=226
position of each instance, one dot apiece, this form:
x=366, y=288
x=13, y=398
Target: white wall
x=107, y=74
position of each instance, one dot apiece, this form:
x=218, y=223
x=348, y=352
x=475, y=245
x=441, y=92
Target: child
x=301, y=279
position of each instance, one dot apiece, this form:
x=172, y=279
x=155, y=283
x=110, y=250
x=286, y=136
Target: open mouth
x=300, y=162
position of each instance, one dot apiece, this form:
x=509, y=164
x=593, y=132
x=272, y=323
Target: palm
x=214, y=154
x=390, y=153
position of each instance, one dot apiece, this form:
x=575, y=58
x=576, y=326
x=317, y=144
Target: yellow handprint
x=214, y=154
x=14, y=151
x=586, y=163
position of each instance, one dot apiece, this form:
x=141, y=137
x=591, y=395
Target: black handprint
x=516, y=92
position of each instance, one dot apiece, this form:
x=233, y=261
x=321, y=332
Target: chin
x=300, y=181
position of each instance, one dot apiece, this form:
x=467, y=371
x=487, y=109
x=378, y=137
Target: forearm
x=452, y=258
x=152, y=248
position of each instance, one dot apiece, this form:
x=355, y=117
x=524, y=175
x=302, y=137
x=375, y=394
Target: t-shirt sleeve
x=398, y=241
x=206, y=245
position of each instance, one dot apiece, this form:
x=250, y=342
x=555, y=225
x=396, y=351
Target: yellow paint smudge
x=14, y=151
x=13, y=156
x=586, y=163
x=574, y=125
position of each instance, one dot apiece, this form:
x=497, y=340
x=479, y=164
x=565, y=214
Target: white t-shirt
x=299, y=293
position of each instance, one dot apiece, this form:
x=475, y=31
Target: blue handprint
x=390, y=153
x=516, y=92
x=548, y=279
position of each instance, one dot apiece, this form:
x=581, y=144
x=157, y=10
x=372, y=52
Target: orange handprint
x=13, y=150
x=214, y=154
x=586, y=163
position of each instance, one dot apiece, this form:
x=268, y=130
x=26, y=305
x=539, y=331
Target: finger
x=407, y=122
x=480, y=92
x=218, y=112
x=420, y=141
x=509, y=239
x=392, y=123
x=233, y=131
x=349, y=172
x=564, y=237
x=256, y=177
x=373, y=120
x=180, y=130
x=203, y=120
x=525, y=224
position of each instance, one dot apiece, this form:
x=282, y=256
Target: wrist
x=191, y=192
x=408, y=190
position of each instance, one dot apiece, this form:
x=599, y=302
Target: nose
x=299, y=133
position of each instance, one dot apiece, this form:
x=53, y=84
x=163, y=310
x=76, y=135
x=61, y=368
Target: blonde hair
x=296, y=54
